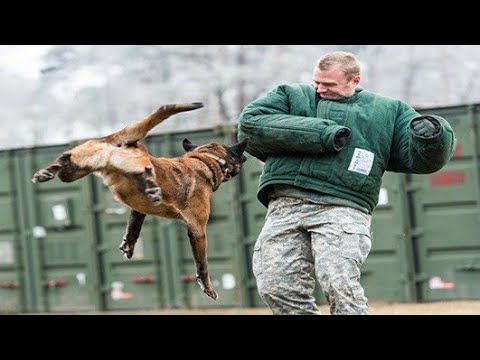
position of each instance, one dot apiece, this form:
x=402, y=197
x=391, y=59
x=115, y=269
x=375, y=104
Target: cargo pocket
x=360, y=241
x=257, y=267
x=272, y=207
x=358, y=293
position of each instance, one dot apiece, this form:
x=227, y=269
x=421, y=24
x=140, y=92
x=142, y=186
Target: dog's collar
x=223, y=169
x=223, y=165
x=221, y=161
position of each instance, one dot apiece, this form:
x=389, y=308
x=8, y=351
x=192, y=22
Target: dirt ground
x=434, y=308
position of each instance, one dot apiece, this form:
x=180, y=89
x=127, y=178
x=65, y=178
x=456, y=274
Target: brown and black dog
x=176, y=188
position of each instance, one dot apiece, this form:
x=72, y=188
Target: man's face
x=332, y=84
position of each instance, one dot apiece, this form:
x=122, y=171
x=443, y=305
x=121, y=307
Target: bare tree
x=89, y=90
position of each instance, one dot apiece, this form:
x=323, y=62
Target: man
x=325, y=150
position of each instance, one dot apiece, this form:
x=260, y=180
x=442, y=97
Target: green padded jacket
x=292, y=131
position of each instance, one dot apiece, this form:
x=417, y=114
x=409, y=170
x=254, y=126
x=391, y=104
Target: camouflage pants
x=298, y=237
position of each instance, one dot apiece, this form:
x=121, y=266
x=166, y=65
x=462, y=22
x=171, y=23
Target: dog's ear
x=239, y=147
x=188, y=146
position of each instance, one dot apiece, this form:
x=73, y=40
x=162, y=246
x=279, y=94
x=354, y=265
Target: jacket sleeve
x=413, y=154
x=271, y=128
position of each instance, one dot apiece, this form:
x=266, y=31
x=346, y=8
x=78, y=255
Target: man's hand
x=424, y=128
x=341, y=138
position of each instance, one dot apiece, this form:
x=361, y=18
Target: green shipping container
x=127, y=283
x=446, y=215
x=253, y=217
x=59, y=242
x=58, y=237
x=12, y=275
x=387, y=274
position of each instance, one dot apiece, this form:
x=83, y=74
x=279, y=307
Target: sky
x=26, y=61
x=22, y=60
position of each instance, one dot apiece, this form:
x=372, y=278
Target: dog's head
x=229, y=157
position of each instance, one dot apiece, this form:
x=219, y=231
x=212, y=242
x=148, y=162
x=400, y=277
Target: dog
x=173, y=188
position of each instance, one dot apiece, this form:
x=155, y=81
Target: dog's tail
x=139, y=130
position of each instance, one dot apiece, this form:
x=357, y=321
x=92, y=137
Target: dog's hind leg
x=49, y=173
x=152, y=190
x=135, y=222
x=198, y=240
x=52, y=170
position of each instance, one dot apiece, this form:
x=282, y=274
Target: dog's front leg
x=198, y=241
x=135, y=222
x=150, y=187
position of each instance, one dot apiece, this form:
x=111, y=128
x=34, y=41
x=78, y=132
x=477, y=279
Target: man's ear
x=356, y=79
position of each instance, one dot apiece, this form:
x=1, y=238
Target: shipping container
x=445, y=215
x=387, y=274
x=58, y=237
x=12, y=274
x=59, y=241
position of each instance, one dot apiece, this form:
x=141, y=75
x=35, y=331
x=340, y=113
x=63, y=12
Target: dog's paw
x=207, y=289
x=212, y=293
x=126, y=249
x=154, y=195
x=42, y=176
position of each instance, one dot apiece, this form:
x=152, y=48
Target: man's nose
x=320, y=88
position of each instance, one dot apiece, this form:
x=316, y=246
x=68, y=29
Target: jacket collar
x=349, y=99
x=352, y=98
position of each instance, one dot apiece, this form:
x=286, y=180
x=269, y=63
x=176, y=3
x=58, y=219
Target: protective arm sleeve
x=271, y=129
x=422, y=144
